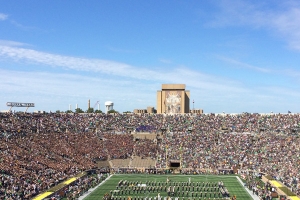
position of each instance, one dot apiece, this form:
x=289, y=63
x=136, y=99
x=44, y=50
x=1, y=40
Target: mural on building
x=173, y=102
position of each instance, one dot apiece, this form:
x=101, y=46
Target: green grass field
x=230, y=182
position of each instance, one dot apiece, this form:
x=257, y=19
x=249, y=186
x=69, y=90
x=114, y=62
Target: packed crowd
x=262, y=143
x=38, y=151
x=145, y=148
x=82, y=185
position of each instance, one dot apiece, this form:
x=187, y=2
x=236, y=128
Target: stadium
x=150, y=100
x=152, y=156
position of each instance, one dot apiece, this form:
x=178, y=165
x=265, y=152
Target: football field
x=145, y=186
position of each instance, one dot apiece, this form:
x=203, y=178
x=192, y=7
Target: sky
x=233, y=55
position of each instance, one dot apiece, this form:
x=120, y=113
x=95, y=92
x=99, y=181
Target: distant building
x=148, y=110
x=5, y=111
x=173, y=99
x=197, y=111
x=139, y=111
x=39, y=111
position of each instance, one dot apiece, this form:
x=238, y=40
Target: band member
x=158, y=196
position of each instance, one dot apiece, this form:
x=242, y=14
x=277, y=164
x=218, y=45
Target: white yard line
x=92, y=189
x=255, y=197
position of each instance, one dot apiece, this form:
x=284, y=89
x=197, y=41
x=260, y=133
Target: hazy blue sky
x=233, y=55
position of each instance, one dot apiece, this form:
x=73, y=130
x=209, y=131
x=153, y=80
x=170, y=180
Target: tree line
x=89, y=110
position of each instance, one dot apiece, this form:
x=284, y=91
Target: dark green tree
x=79, y=110
x=98, y=111
x=112, y=111
x=90, y=110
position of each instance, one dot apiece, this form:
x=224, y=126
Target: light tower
x=108, y=106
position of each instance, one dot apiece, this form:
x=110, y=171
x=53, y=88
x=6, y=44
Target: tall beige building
x=173, y=99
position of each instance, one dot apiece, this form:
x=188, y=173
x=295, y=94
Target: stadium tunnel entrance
x=174, y=164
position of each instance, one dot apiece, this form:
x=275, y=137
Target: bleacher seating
x=142, y=162
x=120, y=162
